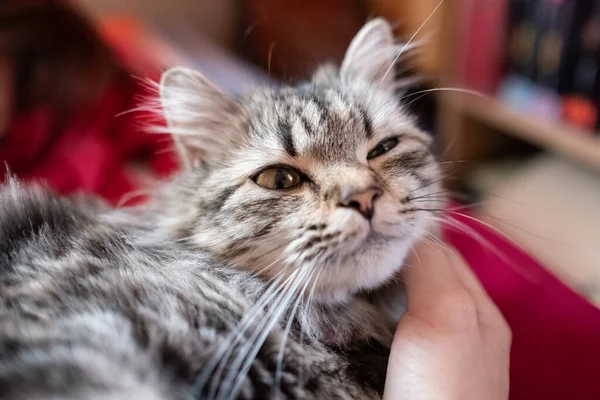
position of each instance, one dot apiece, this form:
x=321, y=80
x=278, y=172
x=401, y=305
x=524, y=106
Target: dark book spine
x=581, y=76
x=522, y=38
x=594, y=26
x=575, y=68
x=554, y=22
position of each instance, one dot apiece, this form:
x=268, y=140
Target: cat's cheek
x=385, y=212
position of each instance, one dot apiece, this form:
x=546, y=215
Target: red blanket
x=556, y=333
x=93, y=152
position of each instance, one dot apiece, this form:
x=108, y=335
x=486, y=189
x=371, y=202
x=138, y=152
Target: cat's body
x=110, y=310
x=264, y=270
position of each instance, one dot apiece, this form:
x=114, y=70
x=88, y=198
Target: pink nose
x=360, y=200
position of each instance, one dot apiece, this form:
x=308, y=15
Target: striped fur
x=219, y=288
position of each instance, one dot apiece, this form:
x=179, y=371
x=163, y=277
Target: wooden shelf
x=571, y=142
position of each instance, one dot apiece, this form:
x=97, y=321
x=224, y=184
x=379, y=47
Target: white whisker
x=411, y=39
x=447, y=89
x=484, y=243
x=288, y=327
x=216, y=386
x=224, y=351
x=234, y=380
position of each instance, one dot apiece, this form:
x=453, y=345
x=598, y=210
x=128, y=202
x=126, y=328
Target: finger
x=429, y=274
x=447, y=286
x=439, y=269
x=488, y=313
x=443, y=291
x=470, y=282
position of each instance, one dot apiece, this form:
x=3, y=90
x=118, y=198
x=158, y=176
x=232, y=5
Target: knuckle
x=498, y=326
x=503, y=330
x=457, y=309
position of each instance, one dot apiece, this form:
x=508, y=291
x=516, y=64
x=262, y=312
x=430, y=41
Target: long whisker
x=512, y=225
x=450, y=211
x=452, y=194
x=308, y=306
x=411, y=39
x=455, y=162
x=224, y=351
x=288, y=327
x=493, y=228
x=251, y=350
x=445, y=89
x=272, y=291
x=429, y=199
x=425, y=196
x=310, y=299
x=440, y=179
x=462, y=227
x=486, y=245
x=217, y=387
x=260, y=271
x=432, y=238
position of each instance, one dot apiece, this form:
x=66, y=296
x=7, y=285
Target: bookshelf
x=474, y=128
x=478, y=113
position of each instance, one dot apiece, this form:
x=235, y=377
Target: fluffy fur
x=220, y=288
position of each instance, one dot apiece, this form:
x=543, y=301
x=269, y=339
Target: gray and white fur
x=220, y=288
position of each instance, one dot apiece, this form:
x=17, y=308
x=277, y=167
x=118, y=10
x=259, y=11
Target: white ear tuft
x=371, y=55
x=326, y=75
x=197, y=113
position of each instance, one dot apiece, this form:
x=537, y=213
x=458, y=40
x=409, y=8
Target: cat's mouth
x=353, y=243
x=348, y=235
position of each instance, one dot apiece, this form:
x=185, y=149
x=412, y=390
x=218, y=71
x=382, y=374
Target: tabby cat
x=266, y=269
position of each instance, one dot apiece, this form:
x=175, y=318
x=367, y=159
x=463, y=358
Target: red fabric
x=556, y=333
x=93, y=151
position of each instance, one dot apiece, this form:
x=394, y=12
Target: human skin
x=452, y=343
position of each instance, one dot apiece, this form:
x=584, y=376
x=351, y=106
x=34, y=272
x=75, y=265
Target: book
x=522, y=38
x=579, y=65
x=483, y=39
x=554, y=24
x=582, y=75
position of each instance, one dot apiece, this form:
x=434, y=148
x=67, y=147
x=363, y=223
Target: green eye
x=382, y=148
x=278, y=178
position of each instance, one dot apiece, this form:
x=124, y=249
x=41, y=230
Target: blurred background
x=509, y=88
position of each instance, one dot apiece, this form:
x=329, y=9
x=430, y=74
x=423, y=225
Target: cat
x=267, y=268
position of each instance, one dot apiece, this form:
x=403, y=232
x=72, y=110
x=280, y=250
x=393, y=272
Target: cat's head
x=318, y=179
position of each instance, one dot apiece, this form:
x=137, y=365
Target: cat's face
x=320, y=177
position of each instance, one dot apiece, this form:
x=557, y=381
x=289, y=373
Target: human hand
x=452, y=343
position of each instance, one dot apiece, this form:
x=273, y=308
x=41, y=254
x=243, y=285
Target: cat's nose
x=360, y=200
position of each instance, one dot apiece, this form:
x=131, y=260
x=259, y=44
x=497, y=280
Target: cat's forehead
x=322, y=122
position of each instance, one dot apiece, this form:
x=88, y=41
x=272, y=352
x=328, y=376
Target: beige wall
x=217, y=19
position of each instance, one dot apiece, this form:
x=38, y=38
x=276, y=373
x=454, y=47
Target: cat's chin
x=368, y=271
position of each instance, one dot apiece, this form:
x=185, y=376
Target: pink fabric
x=556, y=333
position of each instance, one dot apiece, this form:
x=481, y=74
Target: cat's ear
x=199, y=116
x=371, y=56
x=326, y=74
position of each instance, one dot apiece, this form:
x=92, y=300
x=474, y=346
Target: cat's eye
x=278, y=178
x=383, y=147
